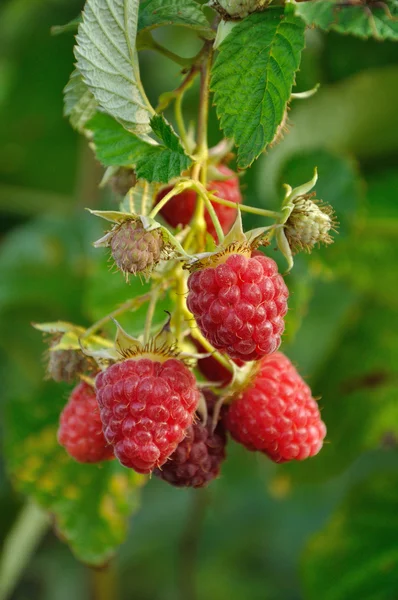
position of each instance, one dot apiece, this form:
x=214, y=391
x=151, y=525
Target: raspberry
x=146, y=407
x=239, y=305
x=80, y=430
x=179, y=210
x=197, y=459
x=134, y=249
x=276, y=414
x=66, y=365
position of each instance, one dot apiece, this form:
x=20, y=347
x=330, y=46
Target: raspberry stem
x=244, y=207
x=150, y=312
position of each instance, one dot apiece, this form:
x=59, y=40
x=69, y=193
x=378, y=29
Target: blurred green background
x=326, y=529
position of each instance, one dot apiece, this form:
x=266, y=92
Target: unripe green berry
x=309, y=224
x=134, y=249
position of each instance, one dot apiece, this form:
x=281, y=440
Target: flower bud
x=134, y=249
x=309, y=224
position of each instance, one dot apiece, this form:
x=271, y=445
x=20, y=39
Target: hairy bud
x=134, y=249
x=309, y=223
x=66, y=365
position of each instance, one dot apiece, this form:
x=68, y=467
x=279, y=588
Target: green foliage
x=187, y=13
x=107, y=59
x=115, y=146
x=90, y=503
x=356, y=555
x=253, y=77
x=364, y=21
x=79, y=103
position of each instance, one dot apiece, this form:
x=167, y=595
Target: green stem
x=180, y=120
x=132, y=304
x=180, y=307
x=245, y=208
x=180, y=187
x=189, y=545
x=105, y=583
x=150, y=313
x=21, y=542
x=195, y=333
x=214, y=217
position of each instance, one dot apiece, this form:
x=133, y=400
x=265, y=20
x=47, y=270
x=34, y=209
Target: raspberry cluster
x=239, y=305
x=146, y=409
x=276, y=414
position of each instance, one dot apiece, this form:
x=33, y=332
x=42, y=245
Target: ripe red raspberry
x=197, y=459
x=179, y=210
x=80, y=430
x=239, y=305
x=146, y=407
x=276, y=414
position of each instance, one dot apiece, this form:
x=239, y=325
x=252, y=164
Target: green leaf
x=140, y=198
x=107, y=59
x=70, y=27
x=91, y=503
x=153, y=162
x=356, y=554
x=79, y=103
x=158, y=13
x=253, y=76
x=187, y=13
x=356, y=379
x=364, y=21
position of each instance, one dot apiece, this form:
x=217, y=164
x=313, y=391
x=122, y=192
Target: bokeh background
x=324, y=529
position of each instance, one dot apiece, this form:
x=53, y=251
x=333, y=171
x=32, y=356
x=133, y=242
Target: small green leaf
x=107, y=59
x=140, y=198
x=253, y=76
x=152, y=162
x=186, y=13
x=364, y=21
x=91, y=503
x=79, y=103
x=356, y=554
x=70, y=27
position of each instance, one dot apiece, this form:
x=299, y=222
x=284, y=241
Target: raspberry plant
x=179, y=228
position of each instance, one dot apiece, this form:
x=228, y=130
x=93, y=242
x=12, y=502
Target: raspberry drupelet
x=276, y=414
x=80, y=429
x=198, y=458
x=239, y=305
x=180, y=209
x=146, y=407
